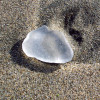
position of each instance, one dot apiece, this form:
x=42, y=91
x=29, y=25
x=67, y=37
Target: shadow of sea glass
x=32, y=64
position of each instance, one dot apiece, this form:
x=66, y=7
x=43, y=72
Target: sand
x=23, y=78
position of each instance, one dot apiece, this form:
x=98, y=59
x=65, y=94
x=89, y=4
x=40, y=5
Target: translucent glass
x=47, y=45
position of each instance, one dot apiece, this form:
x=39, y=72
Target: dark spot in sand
x=70, y=16
x=77, y=36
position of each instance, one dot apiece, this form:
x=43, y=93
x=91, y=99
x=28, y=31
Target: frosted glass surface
x=47, y=45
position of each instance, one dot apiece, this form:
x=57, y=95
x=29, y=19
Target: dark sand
x=23, y=78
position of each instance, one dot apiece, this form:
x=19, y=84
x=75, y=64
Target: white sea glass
x=47, y=45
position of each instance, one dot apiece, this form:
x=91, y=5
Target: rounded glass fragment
x=47, y=45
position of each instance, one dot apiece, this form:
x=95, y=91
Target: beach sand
x=23, y=78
